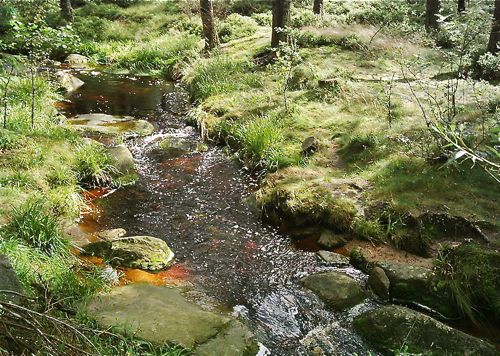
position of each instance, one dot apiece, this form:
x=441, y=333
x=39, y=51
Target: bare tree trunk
x=494, y=42
x=209, y=30
x=5, y=96
x=318, y=7
x=431, y=14
x=281, y=15
x=461, y=6
x=66, y=10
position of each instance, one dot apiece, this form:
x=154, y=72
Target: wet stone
x=114, y=125
x=338, y=290
x=379, y=282
x=333, y=258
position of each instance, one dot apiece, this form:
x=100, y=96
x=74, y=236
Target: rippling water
x=199, y=203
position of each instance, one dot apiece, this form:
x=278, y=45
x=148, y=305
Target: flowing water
x=200, y=203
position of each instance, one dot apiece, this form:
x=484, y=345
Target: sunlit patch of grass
x=93, y=165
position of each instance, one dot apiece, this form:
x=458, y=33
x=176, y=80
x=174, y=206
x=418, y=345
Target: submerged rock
x=333, y=258
x=337, y=290
x=163, y=315
x=392, y=327
x=331, y=240
x=235, y=340
x=9, y=281
x=113, y=125
x=111, y=234
x=142, y=252
x=68, y=81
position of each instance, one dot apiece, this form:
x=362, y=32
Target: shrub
x=33, y=225
x=236, y=26
x=263, y=18
x=8, y=140
x=489, y=66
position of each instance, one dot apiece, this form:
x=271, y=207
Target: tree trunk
x=461, y=6
x=281, y=15
x=66, y=10
x=431, y=14
x=209, y=30
x=318, y=7
x=495, y=31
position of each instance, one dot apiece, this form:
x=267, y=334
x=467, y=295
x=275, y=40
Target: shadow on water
x=196, y=201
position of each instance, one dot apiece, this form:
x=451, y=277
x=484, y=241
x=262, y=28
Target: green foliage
x=236, y=26
x=221, y=75
x=32, y=224
x=262, y=140
x=370, y=230
x=8, y=140
x=158, y=55
x=93, y=165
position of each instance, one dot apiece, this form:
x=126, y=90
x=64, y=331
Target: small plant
x=93, y=165
x=33, y=225
x=287, y=59
x=236, y=26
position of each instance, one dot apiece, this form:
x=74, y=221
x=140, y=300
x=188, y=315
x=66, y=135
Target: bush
x=236, y=26
x=33, y=225
x=221, y=75
x=263, y=18
x=489, y=66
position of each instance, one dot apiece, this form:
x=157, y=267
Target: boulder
x=235, y=340
x=142, y=252
x=379, y=282
x=393, y=327
x=416, y=284
x=333, y=258
x=113, y=125
x=77, y=61
x=336, y=289
x=123, y=162
x=310, y=145
x=68, y=81
x=9, y=281
x=156, y=314
x=330, y=240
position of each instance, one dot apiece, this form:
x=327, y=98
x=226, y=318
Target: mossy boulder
x=123, y=162
x=75, y=60
x=142, y=252
x=156, y=314
x=416, y=284
x=110, y=125
x=338, y=290
x=390, y=328
x=379, y=282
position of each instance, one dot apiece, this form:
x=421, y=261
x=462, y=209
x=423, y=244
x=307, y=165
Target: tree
x=281, y=15
x=431, y=14
x=318, y=7
x=209, y=30
x=66, y=10
x=461, y=6
x=495, y=31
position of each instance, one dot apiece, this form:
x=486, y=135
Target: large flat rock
x=114, y=125
x=156, y=314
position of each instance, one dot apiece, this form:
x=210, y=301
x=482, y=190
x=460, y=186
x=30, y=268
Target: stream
x=199, y=203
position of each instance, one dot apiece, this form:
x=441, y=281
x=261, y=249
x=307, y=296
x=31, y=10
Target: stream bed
x=199, y=202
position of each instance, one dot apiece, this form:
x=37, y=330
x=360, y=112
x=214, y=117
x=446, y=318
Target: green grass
x=93, y=165
x=37, y=227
